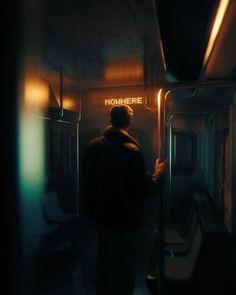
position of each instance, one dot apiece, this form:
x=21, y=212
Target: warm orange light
x=124, y=100
x=54, y=81
x=167, y=94
x=216, y=27
x=163, y=55
x=122, y=70
x=159, y=99
x=159, y=144
x=36, y=92
x=69, y=103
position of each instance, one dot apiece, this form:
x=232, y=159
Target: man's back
x=115, y=180
x=115, y=183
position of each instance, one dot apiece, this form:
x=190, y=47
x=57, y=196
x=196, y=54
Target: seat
x=52, y=210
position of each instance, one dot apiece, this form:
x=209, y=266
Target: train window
x=184, y=149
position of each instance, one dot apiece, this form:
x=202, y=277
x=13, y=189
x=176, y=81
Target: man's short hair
x=121, y=116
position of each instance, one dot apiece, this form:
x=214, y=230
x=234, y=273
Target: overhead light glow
x=36, y=92
x=163, y=56
x=121, y=70
x=69, y=103
x=216, y=27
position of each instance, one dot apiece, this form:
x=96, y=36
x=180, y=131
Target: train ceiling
x=103, y=42
x=100, y=42
x=185, y=27
x=185, y=30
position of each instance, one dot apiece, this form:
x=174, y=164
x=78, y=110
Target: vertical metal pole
x=161, y=207
x=78, y=150
x=170, y=122
x=77, y=169
x=61, y=92
x=233, y=184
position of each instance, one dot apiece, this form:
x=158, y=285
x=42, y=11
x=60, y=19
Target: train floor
x=66, y=266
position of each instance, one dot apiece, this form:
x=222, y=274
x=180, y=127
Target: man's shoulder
x=95, y=143
x=92, y=149
x=132, y=147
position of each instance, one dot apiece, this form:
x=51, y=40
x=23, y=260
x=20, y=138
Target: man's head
x=121, y=116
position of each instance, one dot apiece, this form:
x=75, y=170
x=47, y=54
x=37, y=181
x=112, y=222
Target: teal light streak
x=31, y=171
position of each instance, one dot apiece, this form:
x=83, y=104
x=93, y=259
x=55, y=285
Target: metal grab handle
x=161, y=240
x=161, y=203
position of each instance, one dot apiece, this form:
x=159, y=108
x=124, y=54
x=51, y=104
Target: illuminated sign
x=126, y=100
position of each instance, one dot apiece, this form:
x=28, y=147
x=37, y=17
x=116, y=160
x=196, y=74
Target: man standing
x=115, y=184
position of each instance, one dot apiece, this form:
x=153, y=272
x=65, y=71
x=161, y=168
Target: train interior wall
x=210, y=175
x=206, y=140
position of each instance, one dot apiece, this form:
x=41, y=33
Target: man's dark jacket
x=115, y=181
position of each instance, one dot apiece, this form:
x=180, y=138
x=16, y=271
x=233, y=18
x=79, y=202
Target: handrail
x=161, y=207
x=170, y=122
x=61, y=91
x=201, y=84
x=78, y=148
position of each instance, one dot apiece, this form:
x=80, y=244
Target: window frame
x=191, y=169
